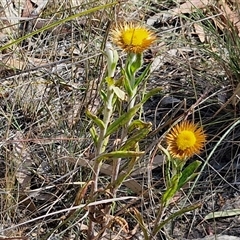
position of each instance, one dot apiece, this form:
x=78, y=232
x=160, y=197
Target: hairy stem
x=117, y=162
x=102, y=140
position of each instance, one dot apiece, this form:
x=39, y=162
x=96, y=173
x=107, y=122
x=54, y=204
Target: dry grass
x=51, y=78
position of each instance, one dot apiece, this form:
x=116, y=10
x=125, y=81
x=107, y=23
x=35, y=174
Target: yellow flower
x=185, y=140
x=132, y=38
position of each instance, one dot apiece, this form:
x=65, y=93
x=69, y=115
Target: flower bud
x=112, y=59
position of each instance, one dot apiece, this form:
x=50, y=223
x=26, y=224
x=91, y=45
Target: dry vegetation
x=50, y=76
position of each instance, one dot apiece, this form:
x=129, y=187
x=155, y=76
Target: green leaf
x=103, y=95
x=138, y=124
x=224, y=213
x=119, y=154
x=94, y=135
x=151, y=93
x=122, y=120
x=136, y=62
x=174, y=215
x=188, y=173
x=133, y=63
x=127, y=84
x=171, y=191
x=140, y=220
x=119, y=92
x=143, y=76
x=95, y=119
x=139, y=135
x=112, y=59
x=112, y=85
x=127, y=171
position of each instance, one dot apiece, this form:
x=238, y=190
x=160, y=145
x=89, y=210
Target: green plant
x=119, y=120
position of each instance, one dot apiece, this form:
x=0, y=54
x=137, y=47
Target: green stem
x=117, y=183
x=101, y=146
x=131, y=104
x=102, y=140
x=160, y=224
x=157, y=221
x=117, y=162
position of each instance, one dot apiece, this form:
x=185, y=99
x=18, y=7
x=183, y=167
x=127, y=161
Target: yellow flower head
x=185, y=140
x=132, y=38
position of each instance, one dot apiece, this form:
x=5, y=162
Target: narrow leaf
x=139, y=124
x=119, y=154
x=95, y=119
x=176, y=214
x=127, y=84
x=171, y=191
x=139, y=135
x=122, y=120
x=188, y=173
x=94, y=135
x=120, y=93
x=224, y=213
x=143, y=76
x=151, y=93
x=103, y=95
x=137, y=62
x=140, y=220
x=127, y=171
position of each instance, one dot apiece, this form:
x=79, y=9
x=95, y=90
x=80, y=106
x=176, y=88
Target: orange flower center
x=186, y=139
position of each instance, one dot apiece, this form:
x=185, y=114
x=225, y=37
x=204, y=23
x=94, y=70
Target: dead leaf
x=14, y=62
x=51, y=140
x=38, y=62
x=231, y=16
x=74, y=113
x=27, y=9
x=157, y=161
x=10, y=12
x=236, y=95
x=30, y=95
x=22, y=160
x=200, y=32
x=39, y=2
x=32, y=9
x=191, y=6
x=107, y=169
x=92, y=96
